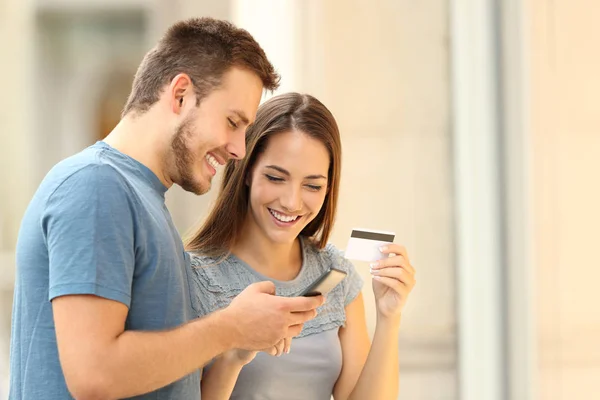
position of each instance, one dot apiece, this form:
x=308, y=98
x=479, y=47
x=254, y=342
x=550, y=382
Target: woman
x=271, y=221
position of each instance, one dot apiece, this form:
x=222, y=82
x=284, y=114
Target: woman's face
x=288, y=185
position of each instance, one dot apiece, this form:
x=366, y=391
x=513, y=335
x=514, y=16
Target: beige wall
x=15, y=151
x=565, y=93
x=16, y=19
x=386, y=79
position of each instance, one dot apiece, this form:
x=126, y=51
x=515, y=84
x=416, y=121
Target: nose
x=291, y=200
x=236, y=146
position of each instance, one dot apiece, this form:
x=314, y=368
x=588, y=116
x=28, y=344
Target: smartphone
x=324, y=283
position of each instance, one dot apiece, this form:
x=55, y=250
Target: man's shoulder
x=88, y=163
x=85, y=170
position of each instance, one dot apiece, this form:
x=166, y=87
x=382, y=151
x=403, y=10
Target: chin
x=279, y=239
x=283, y=237
x=197, y=187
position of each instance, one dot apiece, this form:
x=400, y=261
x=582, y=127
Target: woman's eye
x=315, y=188
x=273, y=178
x=231, y=123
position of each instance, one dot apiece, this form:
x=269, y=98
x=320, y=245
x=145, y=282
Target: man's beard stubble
x=184, y=160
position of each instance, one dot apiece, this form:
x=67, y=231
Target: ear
x=181, y=93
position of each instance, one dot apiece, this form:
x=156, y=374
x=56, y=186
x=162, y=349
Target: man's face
x=215, y=131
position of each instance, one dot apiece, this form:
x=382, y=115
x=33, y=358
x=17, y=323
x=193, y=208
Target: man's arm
x=102, y=361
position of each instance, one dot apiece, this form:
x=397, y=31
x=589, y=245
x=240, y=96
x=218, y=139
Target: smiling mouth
x=212, y=161
x=284, y=218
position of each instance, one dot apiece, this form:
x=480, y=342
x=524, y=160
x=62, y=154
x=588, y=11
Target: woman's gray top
x=313, y=365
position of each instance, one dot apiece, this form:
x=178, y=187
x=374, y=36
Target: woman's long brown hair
x=283, y=113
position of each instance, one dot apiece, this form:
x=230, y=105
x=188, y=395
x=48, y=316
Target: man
x=102, y=303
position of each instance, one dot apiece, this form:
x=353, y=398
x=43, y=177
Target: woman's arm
x=368, y=371
x=219, y=380
x=355, y=342
x=376, y=375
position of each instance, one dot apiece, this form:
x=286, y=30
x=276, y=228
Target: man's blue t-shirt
x=97, y=225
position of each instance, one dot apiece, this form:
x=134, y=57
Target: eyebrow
x=241, y=116
x=286, y=172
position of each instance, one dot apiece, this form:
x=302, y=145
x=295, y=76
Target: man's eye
x=231, y=123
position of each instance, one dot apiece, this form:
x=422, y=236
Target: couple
x=109, y=303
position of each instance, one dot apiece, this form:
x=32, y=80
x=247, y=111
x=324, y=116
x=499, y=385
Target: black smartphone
x=324, y=283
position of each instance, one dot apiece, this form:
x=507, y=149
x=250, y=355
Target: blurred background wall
x=470, y=128
x=565, y=139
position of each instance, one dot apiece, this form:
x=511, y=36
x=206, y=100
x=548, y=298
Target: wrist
x=388, y=321
x=231, y=359
x=225, y=330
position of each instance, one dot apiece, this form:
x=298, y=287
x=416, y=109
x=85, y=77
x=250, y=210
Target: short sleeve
x=352, y=284
x=88, y=224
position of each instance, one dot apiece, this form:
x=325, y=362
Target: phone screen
x=323, y=285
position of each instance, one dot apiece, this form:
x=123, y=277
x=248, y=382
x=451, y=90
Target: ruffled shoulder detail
x=332, y=314
x=214, y=284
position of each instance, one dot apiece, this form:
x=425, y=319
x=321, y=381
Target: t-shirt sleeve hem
x=89, y=288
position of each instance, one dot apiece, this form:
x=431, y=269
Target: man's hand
x=243, y=357
x=262, y=320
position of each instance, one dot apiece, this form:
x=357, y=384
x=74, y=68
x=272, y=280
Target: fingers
x=294, y=330
x=399, y=274
x=271, y=351
x=279, y=347
x=274, y=350
x=395, y=249
x=392, y=283
x=300, y=303
x=397, y=258
x=395, y=261
x=302, y=317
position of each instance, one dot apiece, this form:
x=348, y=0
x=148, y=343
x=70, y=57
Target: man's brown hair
x=283, y=113
x=204, y=49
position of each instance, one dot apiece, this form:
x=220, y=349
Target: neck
x=281, y=261
x=143, y=139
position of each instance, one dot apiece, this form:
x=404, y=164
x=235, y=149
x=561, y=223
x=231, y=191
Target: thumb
x=267, y=287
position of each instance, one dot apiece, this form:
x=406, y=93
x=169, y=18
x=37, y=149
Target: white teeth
x=212, y=161
x=283, y=218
